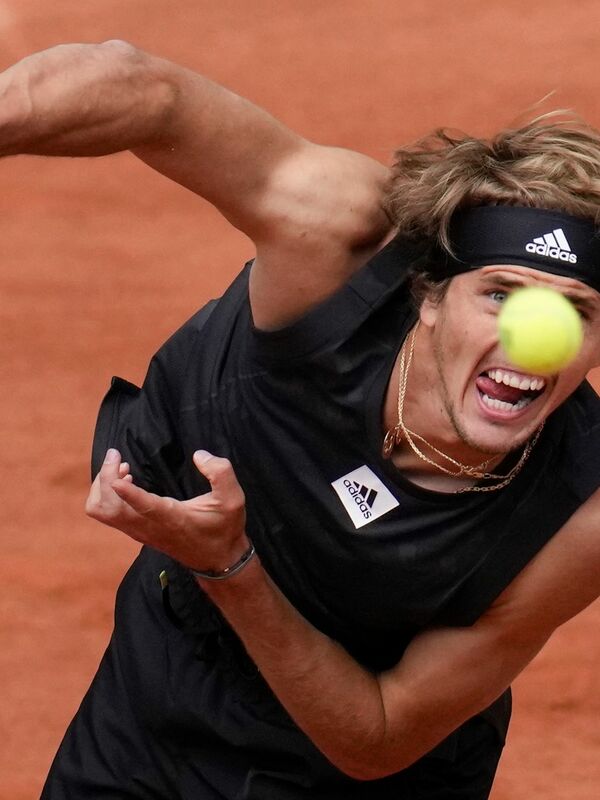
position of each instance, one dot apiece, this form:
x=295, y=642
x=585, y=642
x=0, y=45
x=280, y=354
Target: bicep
x=219, y=145
x=260, y=174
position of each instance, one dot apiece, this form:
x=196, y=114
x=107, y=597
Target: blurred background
x=103, y=259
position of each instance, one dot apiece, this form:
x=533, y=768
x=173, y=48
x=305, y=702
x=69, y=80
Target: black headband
x=531, y=237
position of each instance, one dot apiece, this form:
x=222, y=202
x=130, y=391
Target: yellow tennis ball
x=540, y=330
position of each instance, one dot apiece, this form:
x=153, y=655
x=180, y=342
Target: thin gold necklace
x=400, y=431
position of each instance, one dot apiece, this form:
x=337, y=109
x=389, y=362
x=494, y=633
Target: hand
x=204, y=533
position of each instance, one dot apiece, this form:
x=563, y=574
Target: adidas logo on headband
x=485, y=235
x=552, y=245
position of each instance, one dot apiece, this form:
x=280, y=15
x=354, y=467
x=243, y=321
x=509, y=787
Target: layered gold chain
x=400, y=432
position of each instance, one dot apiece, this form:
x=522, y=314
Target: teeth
x=523, y=382
x=500, y=405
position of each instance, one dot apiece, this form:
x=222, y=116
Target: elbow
x=372, y=768
x=384, y=752
x=373, y=759
x=372, y=751
x=365, y=772
x=379, y=762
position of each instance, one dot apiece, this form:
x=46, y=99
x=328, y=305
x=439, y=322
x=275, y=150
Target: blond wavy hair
x=552, y=162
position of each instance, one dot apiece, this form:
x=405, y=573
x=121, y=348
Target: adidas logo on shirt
x=553, y=245
x=364, y=496
x=361, y=491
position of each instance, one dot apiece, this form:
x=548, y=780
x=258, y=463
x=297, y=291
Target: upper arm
x=260, y=174
x=449, y=674
x=314, y=213
x=217, y=144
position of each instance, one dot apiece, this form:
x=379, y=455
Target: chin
x=496, y=431
x=498, y=440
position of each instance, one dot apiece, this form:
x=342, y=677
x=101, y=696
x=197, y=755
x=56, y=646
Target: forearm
x=84, y=100
x=335, y=701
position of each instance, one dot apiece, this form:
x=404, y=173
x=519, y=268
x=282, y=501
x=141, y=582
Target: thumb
x=220, y=475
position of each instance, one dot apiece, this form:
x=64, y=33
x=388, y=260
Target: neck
x=428, y=443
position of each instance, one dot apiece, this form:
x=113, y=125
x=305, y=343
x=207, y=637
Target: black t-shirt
x=366, y=556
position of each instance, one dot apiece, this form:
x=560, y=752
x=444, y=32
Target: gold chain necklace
x=400, y=431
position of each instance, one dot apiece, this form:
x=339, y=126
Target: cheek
x=570, y=378
x=587, y=358
x=591, y=352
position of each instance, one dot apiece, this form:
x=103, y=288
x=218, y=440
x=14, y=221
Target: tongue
x=498, y=391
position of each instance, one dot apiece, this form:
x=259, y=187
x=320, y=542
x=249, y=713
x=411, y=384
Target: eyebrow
x=507, y=283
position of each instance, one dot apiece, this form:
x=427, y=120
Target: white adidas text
x=553, y=252
x=358, y=499
x=553, y=245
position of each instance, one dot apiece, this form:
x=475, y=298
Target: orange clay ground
x=101, y=260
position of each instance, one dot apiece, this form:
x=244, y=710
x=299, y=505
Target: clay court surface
x=101, y=260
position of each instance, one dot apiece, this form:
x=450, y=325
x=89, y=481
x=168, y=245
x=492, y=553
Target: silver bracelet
x=228, y=572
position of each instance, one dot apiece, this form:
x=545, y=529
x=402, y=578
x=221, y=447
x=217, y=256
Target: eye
x=498, y=295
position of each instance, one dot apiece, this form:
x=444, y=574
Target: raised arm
x=313, y=212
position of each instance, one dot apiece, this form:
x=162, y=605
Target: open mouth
x=507, y=391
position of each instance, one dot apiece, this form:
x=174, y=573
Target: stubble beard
x=457, y=425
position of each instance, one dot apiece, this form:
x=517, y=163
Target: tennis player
x=360, y=521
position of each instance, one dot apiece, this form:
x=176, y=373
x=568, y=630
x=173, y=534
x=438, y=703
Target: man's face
x=492, y=406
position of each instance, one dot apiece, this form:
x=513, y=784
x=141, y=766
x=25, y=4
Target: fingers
x=111, y=465
x=102, y=502
x=142, y=502
x=117, y=501
x=221, y=476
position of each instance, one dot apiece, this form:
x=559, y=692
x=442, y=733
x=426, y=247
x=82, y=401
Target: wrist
x=224, y=568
